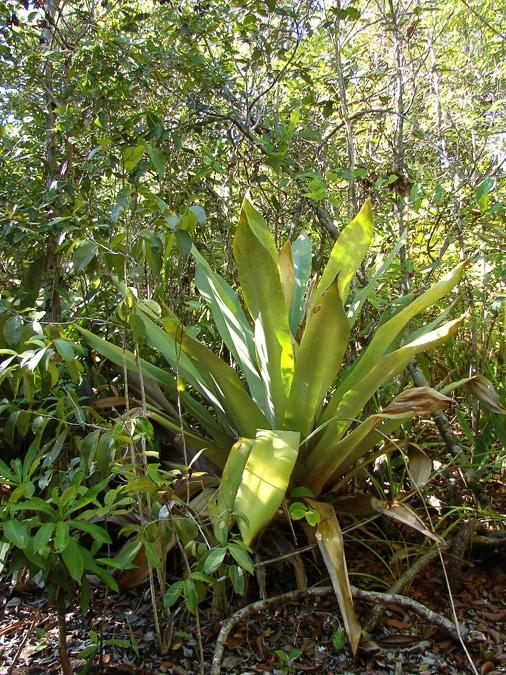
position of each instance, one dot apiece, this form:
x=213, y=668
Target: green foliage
x=44, y=535
x=121, y=168
x=291, y=378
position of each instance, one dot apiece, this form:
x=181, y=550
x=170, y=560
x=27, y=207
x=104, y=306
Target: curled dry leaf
x=419, y=465
x=404, y=514
x=484, y=390
x=330, y=542
x=420, y=400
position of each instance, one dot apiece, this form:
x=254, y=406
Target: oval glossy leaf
x=42, y=536
x=157, y=159
x=62, y=537
x=172, y=595
x=16, y=533
x=84, y=252
x=190, y=595
x=241, y=557
x=214, y=560
x=73, y=560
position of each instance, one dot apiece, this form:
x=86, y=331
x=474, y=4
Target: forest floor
x=264, y=642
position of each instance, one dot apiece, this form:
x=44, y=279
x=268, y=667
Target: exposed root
x=293, y=596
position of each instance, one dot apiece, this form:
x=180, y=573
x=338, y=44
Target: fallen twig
x=292, y=596
x=400, y=585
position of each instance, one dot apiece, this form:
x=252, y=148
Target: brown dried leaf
x=404, y=514
x=484, y=390
x=419, y=465
x=354, y=505
x=420, y=401
x=331, y=545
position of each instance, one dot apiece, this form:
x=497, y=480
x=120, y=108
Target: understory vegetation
x=252, y=313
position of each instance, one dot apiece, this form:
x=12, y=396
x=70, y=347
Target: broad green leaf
x=379, y=433
x=347, y=255
x=323, y=466
x=287, y=272
x=98, y=533
x=265, y=479
x=33, y=504
x=297, y=510
x=132, y=156
x=73, y=560
x=302, y=257
x=184, y=243
x=216, y=453
x=138, y=330
x=62, y=537
x=361, y=297
x=231, y=479
x=172, y=595
x=42, y=536
x=157, y=159
x=259, y=273
x=214, y=559
x=339, y=639
x=128, y=552
x=239, y=407
x=91, y=565
x=5, y=547
x=6, y=473
x=388, y=332
x=301, y=491
x=16, y=533
x=318, y=360
x=361, y=389
x=13, y=329
x=83, y=254
x=241, y=557
x=170, y=345
x=123, y=357
x=330, y=542
x=231, y=323
x=65, y=350
x=122, y=203
x=236, y=576
x=190, y=595
x=200, y=576
x=199, y=214
x=152, y=555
